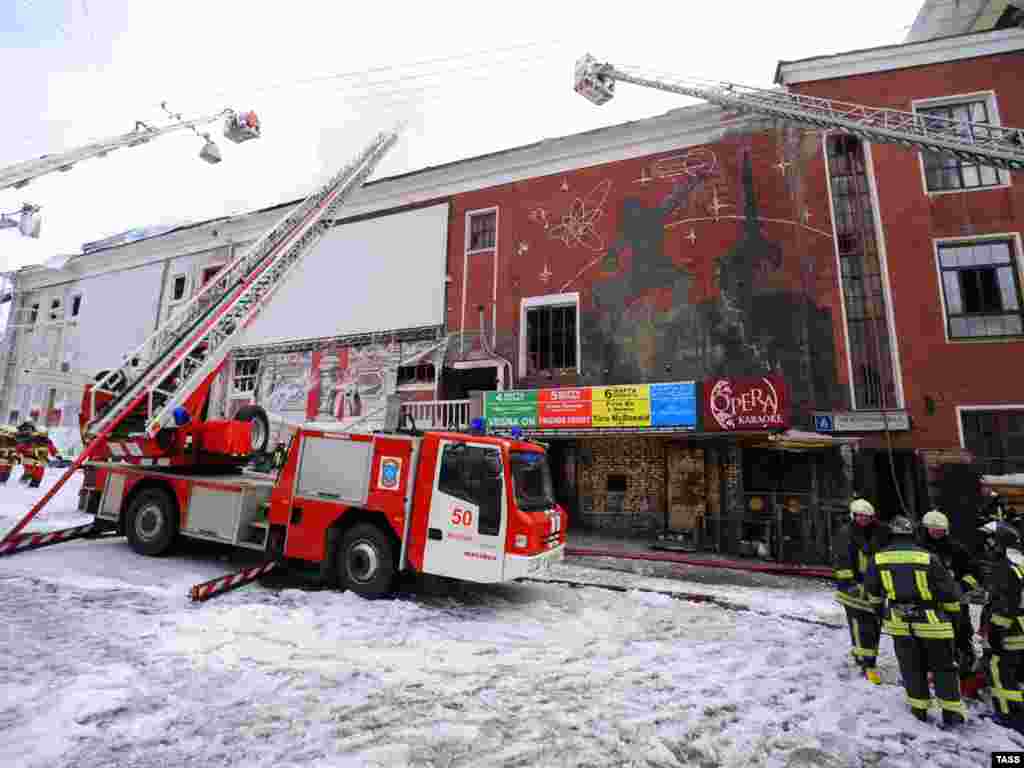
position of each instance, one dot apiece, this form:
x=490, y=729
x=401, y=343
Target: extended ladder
x=238, y=127
x=193, y=342
x=973, y=142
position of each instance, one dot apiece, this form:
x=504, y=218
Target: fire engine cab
x=361, y=507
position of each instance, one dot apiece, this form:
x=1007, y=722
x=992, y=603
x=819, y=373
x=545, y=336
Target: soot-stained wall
x=710, y=260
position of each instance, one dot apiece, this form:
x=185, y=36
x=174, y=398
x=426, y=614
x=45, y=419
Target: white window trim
x=552, y=300
x=1019, y=257
x=961, y=409
x=237, y=394
x=466, y=253
x=994, y=120
x=171, y=301
x=883, y=264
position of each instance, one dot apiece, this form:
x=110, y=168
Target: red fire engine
x=361, y=507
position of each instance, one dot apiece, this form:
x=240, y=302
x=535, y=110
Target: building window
x=55, y=310
x=179, y=285
x=867, y=322
x=996, y=438
x=210, y=272
x=246, y=372
x=944, y=172
x=33, y=314
x=550, y=338
x=76, y=305
x=422, y=373
x=482, y=230
x=981, y=289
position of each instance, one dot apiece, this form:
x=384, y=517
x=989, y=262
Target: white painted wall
x=118, y=313
x=378, y=274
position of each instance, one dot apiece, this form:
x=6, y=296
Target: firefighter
x=1002, y=622
x=8, y=452
x=34, y=449
x=855, y=545
x=935, y=538
x=916, y=598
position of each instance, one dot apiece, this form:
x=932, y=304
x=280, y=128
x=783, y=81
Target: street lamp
x=27, y=220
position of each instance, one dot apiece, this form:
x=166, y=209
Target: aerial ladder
x=1001, y=147
x=238, y=127
x=163, y=385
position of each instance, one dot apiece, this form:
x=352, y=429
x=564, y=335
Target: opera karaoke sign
x=737, y=405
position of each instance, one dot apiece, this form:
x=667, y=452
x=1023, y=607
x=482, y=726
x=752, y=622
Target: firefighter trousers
x=917, y=657
x=1004, y=670
x=865, y=633
x=964, y=632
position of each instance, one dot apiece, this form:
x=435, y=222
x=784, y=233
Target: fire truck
x=358, y=508
x=361, y=508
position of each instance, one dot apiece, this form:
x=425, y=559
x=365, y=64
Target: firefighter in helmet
x=34, y=449
x=917, y=600
x=8, y=452
x=934, y=536
x=1002, y=622
x=856, y=544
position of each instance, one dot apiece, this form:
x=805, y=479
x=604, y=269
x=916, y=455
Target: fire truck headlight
x=521, y=540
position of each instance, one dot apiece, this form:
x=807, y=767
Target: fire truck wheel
x=366, y=561
x=260, y=426
x=152, y=522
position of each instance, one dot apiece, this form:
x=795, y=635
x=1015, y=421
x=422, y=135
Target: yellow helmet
x=935, y=519
x=861, y=507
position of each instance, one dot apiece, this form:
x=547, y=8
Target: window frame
x=1014, y=238
x=75, y=306
x=549, y=301
x=236, y=392
x=477, y=214
x=994, y=119
x=962, y=410
x=416, y=385
x=171, y=301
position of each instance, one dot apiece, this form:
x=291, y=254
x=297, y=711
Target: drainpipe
x=487, y=347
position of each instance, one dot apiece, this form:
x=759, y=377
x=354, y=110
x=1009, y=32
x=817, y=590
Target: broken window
x=482, y=230
x=947, y=172
x=551, y=338
x=981, y=289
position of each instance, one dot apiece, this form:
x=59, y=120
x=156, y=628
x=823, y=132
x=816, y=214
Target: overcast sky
x=472, y=78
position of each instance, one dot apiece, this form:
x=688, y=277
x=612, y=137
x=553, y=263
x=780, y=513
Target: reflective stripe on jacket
x=913, y=592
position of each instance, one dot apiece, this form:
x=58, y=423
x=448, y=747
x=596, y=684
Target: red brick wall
x=967, y=372
x=555, y=235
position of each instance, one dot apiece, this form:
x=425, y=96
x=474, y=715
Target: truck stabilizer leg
x=202, y=592
x=22, y=541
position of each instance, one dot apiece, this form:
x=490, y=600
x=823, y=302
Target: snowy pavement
x=106, y=663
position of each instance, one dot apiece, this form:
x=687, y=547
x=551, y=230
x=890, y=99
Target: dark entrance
x=457, y=384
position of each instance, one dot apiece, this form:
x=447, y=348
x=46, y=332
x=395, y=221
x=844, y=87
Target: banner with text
x=630, y=405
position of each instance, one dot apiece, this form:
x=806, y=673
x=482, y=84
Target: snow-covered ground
x=105, y=663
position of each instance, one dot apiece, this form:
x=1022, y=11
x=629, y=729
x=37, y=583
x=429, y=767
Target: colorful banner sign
x=631, y=405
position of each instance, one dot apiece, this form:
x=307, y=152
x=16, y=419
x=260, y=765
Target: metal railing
x=439, y=414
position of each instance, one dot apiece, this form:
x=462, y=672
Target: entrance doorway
x=458, y=383
x=687, y=493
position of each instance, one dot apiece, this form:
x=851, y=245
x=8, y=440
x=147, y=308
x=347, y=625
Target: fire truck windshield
x=532, y=478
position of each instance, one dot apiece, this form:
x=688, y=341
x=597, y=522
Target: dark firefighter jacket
x=1003, y=612
x=853, y=551
x=913, y=592
x=955, y=558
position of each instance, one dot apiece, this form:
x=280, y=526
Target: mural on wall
x=709, y=268
x=343, y=384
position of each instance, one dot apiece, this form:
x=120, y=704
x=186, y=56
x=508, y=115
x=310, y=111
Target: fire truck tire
x=260, y=426
x=151, y=523
x=366, y=561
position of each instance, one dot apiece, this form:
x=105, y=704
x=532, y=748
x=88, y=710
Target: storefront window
x=532, y=478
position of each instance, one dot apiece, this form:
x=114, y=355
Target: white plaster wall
x=379, y=274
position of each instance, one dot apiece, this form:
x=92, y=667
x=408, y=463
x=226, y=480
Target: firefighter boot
x=952, y=719
x=871, y=673
x=920, y=714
